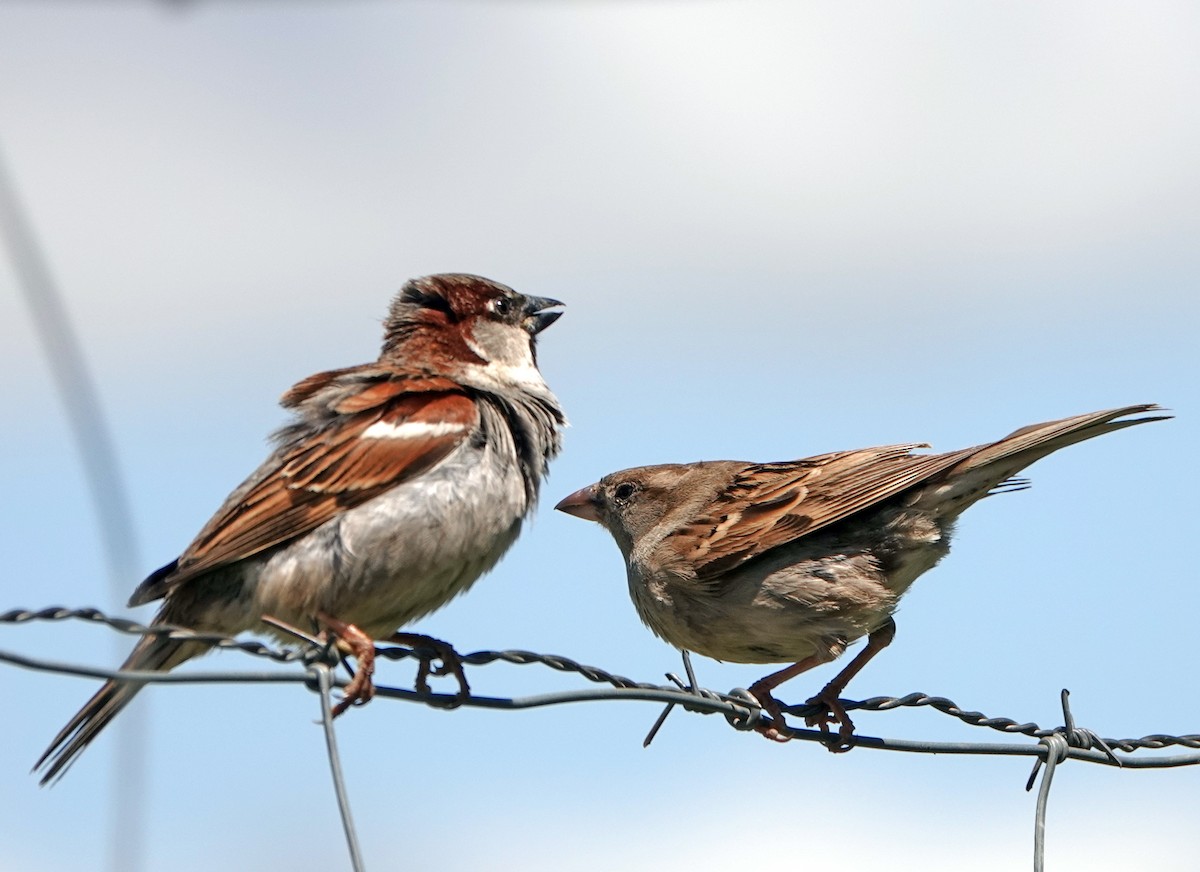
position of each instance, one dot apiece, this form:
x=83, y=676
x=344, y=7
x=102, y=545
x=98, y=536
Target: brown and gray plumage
x=791, y=562
x=397, y=484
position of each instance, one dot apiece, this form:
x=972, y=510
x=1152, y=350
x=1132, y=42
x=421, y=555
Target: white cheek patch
x=509, y=359
x=410, y=429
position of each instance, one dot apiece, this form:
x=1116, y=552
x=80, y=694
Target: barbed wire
x=740, y=709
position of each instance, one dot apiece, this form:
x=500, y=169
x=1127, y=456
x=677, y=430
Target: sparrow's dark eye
x=624, y=491
x=502, y=306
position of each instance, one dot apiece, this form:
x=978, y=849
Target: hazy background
x=780, y=229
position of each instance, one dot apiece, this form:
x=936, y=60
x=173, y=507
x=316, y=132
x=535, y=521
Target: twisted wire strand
x=133, y=628
x=1084, y=739
x=737, y=706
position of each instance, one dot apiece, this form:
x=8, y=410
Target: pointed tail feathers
x=151, y=654
x=989, y=466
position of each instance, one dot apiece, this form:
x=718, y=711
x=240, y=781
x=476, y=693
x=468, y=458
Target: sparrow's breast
x=404, y=553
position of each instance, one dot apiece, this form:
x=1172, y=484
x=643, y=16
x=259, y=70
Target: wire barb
x=674, y=679
x=1058, y=743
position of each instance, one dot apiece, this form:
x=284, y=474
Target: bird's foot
x=356, y=643
x=778, y=731
x=429, y=649
x=832, y=712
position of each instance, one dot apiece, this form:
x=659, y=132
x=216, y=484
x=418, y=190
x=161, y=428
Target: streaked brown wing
x=367, y=453
x=770, y=504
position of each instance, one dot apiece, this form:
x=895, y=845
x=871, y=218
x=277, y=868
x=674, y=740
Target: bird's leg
x=451, y=663
x=762, y=688
x=830, y=695
x=353, y=641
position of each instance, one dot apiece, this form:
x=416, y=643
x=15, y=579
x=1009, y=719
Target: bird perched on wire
x=791, y=562
x=396, y=485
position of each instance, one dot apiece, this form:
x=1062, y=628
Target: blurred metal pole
x=94, y=443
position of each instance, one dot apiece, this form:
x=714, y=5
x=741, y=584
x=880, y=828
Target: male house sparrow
x=397, y=484
x=793, y=561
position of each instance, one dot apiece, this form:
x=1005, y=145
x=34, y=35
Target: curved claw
x=833, y=713
x=778, y=731
x=361, y=689
x=427, y=650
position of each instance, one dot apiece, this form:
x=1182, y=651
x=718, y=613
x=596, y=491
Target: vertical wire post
x=1056, y=750
x=325, y=686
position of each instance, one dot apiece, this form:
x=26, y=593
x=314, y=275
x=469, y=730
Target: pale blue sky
x=779, y=229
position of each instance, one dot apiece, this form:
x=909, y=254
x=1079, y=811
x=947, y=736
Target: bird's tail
x=987, y=467
x=152, y=653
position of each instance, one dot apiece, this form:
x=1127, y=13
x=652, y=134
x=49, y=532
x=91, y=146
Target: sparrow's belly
x=792, y=605
x=402, y=554
x=788, y=615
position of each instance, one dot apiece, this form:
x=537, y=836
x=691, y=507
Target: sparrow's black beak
x=582, y=504
x=537, y=320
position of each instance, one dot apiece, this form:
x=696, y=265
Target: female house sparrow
x=395, y=487
x=793, y=561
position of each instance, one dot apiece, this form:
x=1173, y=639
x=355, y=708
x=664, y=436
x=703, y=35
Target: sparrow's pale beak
x=581, y=504
x=535, y=319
